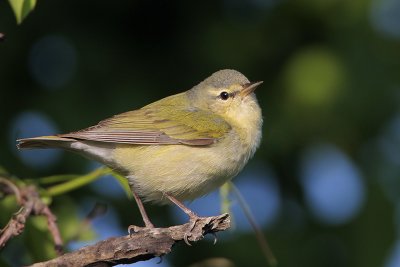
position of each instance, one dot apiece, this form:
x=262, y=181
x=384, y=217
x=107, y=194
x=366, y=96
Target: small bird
x=178, y=148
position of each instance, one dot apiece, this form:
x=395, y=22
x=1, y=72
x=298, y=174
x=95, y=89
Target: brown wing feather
x=135, y=137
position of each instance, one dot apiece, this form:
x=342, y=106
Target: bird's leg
x=145, y=217
x=193, y=217
x=182, y=206
x=143, y=212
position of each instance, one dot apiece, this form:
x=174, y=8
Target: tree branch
x=143, y=244
x=31, y=204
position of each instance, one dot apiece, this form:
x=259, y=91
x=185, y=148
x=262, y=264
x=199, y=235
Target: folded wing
x=150, y=126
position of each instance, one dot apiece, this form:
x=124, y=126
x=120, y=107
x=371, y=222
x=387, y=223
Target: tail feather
x=43, y=142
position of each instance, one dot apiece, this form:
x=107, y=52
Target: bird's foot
x=193, y=218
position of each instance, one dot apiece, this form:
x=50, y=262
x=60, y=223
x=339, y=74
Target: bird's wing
x=149, y=126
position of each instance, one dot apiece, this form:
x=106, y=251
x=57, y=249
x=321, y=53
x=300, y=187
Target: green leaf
x=78, y=182
x=226, y=203
x=22, y=8
x=55, y=178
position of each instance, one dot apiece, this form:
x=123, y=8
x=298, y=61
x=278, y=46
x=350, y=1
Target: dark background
x=325, y=183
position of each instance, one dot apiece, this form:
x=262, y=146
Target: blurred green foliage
x=331, y=74
x=22, y=8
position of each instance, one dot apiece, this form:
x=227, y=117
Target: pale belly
x=185, y=172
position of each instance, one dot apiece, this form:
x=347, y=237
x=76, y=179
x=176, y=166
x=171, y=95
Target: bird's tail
x=51, y=141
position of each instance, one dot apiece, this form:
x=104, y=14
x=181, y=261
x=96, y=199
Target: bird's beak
x=249, y=88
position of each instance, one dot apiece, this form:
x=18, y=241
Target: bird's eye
x=224, y=95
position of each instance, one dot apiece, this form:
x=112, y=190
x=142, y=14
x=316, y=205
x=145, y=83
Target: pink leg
x=145, y=217
x=182, y=206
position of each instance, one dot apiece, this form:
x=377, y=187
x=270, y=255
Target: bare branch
x=143, y=244
x=31, y=204
x=16, y=224
x=10, y=188
x=53, y=228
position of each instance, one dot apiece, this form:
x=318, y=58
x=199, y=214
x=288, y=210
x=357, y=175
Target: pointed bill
x=249, y=88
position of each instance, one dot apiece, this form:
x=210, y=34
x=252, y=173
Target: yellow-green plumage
x=174, y=116
x=184, y=145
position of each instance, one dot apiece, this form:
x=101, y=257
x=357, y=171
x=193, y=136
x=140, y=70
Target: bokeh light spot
x=385, y=17
x=52, y=61
x=314, y=77
x=106, y=185
x=106, y=226
x=259, y=189
x=31, y=124
x=333, y=188
x=394, y=257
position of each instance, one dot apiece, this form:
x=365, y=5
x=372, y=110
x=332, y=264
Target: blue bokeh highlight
x=52, y=61
x=333, y=187
x=259, y=189
x=385, y=17
x=32, y=124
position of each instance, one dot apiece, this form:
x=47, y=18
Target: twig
x=259, y=234
x=31, y=204
x=11, y=188
x=16, y=225
x=53, y=228
x=143, y=244
x=17, y=222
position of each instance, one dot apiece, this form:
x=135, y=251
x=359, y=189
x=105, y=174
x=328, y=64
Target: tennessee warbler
x=178, y=148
